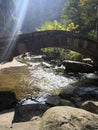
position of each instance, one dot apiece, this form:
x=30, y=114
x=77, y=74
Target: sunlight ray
x=21, y=8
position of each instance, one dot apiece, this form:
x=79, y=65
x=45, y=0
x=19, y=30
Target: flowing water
x=45, y=77
x=46, y=80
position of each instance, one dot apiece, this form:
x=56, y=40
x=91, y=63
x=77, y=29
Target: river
x=53, y=80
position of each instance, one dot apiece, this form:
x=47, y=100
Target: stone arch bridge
x=10, y=47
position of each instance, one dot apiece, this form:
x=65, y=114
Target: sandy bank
x=6, y=122
x=13, y=63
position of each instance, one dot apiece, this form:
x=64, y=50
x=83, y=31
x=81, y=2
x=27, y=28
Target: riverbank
x=43, y=76
x=6, y=119
x=14, y=77
x=55, y=118
x=13, y=63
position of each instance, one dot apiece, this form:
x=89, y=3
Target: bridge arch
x=62, y=39
x=55, y=38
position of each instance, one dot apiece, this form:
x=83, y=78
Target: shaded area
x=7, y=100
x=26, y=112
x=84, y=90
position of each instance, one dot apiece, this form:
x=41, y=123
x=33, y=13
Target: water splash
x=46, y=79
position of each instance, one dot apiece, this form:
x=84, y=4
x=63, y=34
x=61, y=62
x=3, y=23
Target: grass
x=17, y=79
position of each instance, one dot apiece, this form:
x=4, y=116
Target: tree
x=71, y=13
x=81, y=13
x=89, y=16
x=55, y=25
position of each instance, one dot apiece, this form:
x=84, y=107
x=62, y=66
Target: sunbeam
x=21, y=8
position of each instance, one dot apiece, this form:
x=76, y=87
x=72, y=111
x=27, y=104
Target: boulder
x=53, y=100
x=86, y=93
x=87, y=60
x=68, y=118
x=25, y=113
x=75, y=66
x=7, y=100
x=65, y=102
x=90, y=106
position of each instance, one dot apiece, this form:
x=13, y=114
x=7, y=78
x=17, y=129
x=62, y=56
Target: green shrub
x=60, y=54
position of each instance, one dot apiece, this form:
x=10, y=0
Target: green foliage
x=75, y=56
x=81, y=13
x=78, y=16
x=71, y=13
x=60, y=54
x=71, y=27
x=86, y=2
x=92, y=34
x=54, y=54
x=55, y=25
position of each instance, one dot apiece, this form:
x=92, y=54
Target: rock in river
x=75, y=66
x=68, y=118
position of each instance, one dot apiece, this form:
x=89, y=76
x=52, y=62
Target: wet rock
x=74, y=66
x=7, y=100
x=68, y=118
x=86, y=93
x=90, y=106
x=53, y=100
x=70, y=97
x=25, y=113
x=92, y=76
x=66, y=103
x=76, y=100
x=87, y=60
x=81, y=94
x=46, y=65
